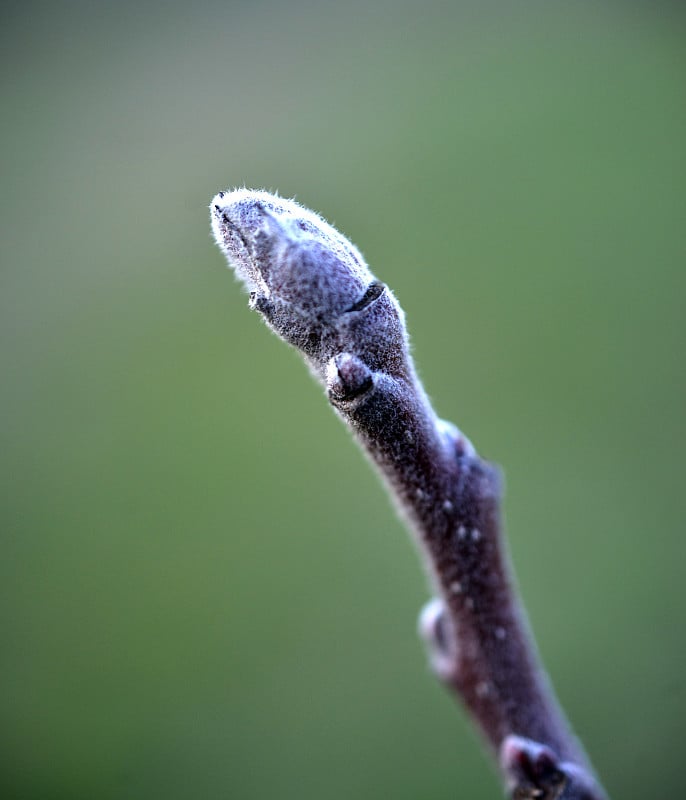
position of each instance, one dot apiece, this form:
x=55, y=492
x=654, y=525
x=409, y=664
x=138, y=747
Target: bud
x=308, y=281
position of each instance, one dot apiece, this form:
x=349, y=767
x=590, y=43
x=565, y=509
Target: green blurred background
x=205, y=592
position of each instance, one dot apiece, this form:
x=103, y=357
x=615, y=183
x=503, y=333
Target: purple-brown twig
x=314, y=289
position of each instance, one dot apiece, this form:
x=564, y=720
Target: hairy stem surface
x=313, y=288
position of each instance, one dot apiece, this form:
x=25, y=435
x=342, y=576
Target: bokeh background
x=204, y=592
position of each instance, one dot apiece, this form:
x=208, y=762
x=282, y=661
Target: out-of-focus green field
x=204, y=591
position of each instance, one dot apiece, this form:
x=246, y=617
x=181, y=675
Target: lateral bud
x=347, y=377
x=434, y=629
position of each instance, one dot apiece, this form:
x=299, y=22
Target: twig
x=313, y=289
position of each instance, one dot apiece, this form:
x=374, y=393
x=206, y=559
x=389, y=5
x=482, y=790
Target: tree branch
x=313, y=289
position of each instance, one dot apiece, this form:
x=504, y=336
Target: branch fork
x=314, y=290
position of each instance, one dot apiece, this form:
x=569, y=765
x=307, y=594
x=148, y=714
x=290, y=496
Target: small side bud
x=456, y=440
x=534, y=772
x=347, y=377
x=434, y=630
